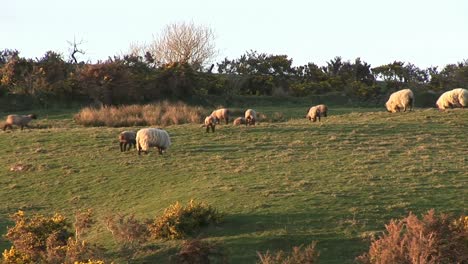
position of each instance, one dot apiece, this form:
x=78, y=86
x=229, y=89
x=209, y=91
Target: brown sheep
x=18, y=120
x=239, y=121
x=323, y=109
x=219, y=114
x=210, y=121
x=127, y=138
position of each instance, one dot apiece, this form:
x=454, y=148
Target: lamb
x=313, y=114
x=222, y=113
x=210, y=121
x=323, y=109
x=152, y=137
x=402, y=99
x=239, y=121
x=127, y=138
x=250, y=117
x=18, y=120
x=455, y=98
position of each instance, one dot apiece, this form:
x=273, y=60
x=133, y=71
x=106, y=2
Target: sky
x=425, y=33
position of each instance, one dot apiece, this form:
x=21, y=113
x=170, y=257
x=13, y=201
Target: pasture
x=279, y=184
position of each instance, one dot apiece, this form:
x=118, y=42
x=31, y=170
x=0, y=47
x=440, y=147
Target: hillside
x=280, y=184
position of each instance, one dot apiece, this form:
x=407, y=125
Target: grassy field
x=280, y=184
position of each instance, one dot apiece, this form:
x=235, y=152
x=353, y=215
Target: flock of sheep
x=146, y=138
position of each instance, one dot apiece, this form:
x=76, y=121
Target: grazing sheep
x=455, y=98
x=323, y=109
x=399, y=100
x=152, y=137
x=313, y=114
x=250, y=117
x=210, y=121
x=18, y=120
x=222, y=113
x=239, y=121
x=127, y=138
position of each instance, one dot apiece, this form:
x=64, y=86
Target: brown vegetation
x=432, y=239
x=164, y=113
x=299, y=255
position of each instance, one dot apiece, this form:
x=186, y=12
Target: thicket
x=135, y=79
x=431, y=239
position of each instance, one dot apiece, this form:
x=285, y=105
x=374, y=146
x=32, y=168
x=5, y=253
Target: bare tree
x=184, y=43
x=74, y=49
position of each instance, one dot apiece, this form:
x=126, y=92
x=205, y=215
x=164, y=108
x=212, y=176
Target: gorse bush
x=298, y=255
x=32, y=236
x=432, y=239
x=180, y=221
x=164, y=113
x=40, y=239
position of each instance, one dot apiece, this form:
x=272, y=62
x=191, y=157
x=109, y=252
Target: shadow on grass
x=242, y=236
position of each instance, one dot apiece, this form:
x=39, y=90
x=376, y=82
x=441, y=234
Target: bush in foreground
x=180, y=221
x=196, y=251
x=40, y=239
x=432, y=239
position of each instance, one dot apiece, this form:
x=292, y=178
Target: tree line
x=137, y=78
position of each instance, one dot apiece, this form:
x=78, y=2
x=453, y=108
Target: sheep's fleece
x=152, y=137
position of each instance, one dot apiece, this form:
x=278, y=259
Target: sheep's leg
x=212, y=129
x=207, y=129
x=160, y=151
x=121, y=149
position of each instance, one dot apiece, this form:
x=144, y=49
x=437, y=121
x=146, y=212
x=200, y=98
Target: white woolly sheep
x=250, y=117
x=210, y=121
x=323, y=109
x=222, y=113
x=152, y=137
x=313, y=114
x=455, y=98
x=127, y=138
x=239, y=121
x=18, y=120
x=399, y=100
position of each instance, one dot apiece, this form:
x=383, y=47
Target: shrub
x=30, y=235
x=13, y=256
x=299, y=255
x=196, y=251
x=40, y=239
x=180, y=221
x=433, y=239
x=163, y=113
x=127, y=231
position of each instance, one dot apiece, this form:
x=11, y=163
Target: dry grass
x=164, y=113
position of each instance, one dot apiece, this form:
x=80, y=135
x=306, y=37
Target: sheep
x=18, y=120
x=210, y=121
x=402, y=99
x=152, y=137
x=455, y=98
x=323, y=109
x=127, y=138
x=313, y=114
x=239, y=121
x=222, y=113
x=250, y=117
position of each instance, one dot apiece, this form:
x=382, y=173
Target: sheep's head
x=33, y=116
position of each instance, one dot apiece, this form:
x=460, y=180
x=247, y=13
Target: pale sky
x=423, y=32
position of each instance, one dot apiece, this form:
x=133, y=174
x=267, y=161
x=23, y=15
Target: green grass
x=280, y=184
